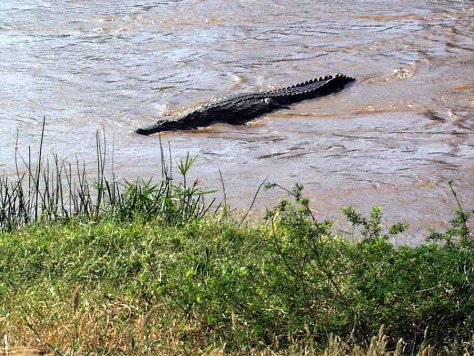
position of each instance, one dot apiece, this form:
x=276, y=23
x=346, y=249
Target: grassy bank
x=286, y=285
x=150, y=268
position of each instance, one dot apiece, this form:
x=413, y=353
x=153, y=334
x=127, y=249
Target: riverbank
x=158, y=271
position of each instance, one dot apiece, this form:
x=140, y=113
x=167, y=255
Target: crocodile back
x=304, y=90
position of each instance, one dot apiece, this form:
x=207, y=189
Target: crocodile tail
x=311, y=89
x=332, y=85
x=312, y=81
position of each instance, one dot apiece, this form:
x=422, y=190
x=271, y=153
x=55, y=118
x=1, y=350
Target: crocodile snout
x=146, y=131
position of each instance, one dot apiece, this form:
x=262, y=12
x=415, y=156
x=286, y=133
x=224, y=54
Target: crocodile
x=240, y=108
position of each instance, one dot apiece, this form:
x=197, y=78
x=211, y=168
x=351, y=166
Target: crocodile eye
x=269, y=101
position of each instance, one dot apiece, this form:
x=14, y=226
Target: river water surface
x=394, y=138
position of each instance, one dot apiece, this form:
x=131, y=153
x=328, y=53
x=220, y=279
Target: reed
x=49, y=189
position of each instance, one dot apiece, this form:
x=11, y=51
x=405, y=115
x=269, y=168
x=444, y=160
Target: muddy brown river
x=394, y=138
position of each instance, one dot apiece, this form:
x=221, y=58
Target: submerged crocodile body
x=241, y=108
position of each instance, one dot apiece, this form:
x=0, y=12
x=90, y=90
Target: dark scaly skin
x=241, y=108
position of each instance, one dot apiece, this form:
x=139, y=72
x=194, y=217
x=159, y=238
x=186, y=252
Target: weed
x=55, y=190
x=141, y=267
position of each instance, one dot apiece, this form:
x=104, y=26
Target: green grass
x=146, y=287
x=151, y=268
x=50, y=189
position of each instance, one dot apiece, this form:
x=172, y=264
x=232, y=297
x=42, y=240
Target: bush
x=145, y=267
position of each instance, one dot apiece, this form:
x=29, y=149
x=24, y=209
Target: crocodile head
x=180, y=122
x=160, y=125
x=147, y=130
